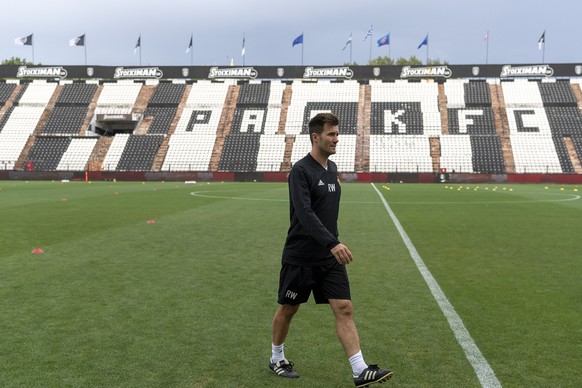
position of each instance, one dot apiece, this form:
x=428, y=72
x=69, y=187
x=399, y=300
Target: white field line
x=485, y=374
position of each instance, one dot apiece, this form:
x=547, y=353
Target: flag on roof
x=369, y=33
x=384, y=41
x=542, y=40
x=78, y=41
x=189, y=44
x=298, y=40
x=24, y=41
x=138, y=44
x=349, y=42
x=424, y=42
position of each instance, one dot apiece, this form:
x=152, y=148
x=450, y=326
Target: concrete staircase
x=502, y=126
x=443, y=110
x=224, y=125
x=141, y=103
x=97, y=157
x=289, y=139
x=577, y=93
x=362, y=162
x=435, y=153
x=574, y=157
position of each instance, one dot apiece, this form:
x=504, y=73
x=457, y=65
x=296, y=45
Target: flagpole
x=302, y=44
x=85, y=46
x=427, y=53
x=371, y=39
x=544, y=48
x=140, y=49
x=32, y=48
x=350, y=49
x=487, y=47
x=244, y=52
x=427, y=40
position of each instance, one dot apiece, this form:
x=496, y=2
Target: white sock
x=357, y=363
x=277, y=352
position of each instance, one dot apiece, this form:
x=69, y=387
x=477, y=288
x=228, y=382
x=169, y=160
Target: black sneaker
x=283, y=368
x=372, y=374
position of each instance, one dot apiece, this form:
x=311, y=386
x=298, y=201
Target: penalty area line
x=484, y=373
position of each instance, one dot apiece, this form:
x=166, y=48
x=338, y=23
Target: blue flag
x=424, y=42
x=298, y=40
x=384, y=41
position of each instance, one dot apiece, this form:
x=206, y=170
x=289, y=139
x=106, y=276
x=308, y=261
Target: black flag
x=25, y=41
x=78, y=41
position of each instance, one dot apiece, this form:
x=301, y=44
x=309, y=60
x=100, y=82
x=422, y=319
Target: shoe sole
x=380, y=380
x=287, y=377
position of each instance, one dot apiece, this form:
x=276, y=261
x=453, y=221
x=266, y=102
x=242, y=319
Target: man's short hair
x=318, y=121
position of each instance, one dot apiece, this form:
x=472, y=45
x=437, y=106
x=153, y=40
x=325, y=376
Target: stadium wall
x=282, y=177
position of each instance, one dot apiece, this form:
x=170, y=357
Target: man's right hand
x=342, y=254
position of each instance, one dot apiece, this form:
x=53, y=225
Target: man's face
x=327, y=141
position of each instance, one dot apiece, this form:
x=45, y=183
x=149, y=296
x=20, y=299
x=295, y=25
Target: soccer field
x=186, y=299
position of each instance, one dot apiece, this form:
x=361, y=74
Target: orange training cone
x=37, y=251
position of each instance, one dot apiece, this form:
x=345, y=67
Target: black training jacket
x=314, y=197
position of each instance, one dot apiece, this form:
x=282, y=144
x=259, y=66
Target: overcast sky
x=456, y=27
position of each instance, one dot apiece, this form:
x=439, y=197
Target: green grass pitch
x=187, y=301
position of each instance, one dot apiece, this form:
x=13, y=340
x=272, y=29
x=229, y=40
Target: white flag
x=24, y=41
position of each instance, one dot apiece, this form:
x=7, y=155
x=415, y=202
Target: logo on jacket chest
x=330, y=186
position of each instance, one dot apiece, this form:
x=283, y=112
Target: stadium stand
x=540, y=116
x=403, y=117
x=139, y=153
x=115, y=151
x=310, y=98
x=253, y=143
x=6, y=90
x=404, y=126
x=77, y=93
x=118, y=97
x=65, y=120
x=191, y=145
x=59, y=153
x=470, y=115
x=47, y=152
x=76, y=157
x=19, y=122
x=163, y=106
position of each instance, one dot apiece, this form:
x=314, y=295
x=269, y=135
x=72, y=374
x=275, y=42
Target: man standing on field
x=313, y=257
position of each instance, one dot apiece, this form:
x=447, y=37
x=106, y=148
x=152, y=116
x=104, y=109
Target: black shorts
x=327, y=282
